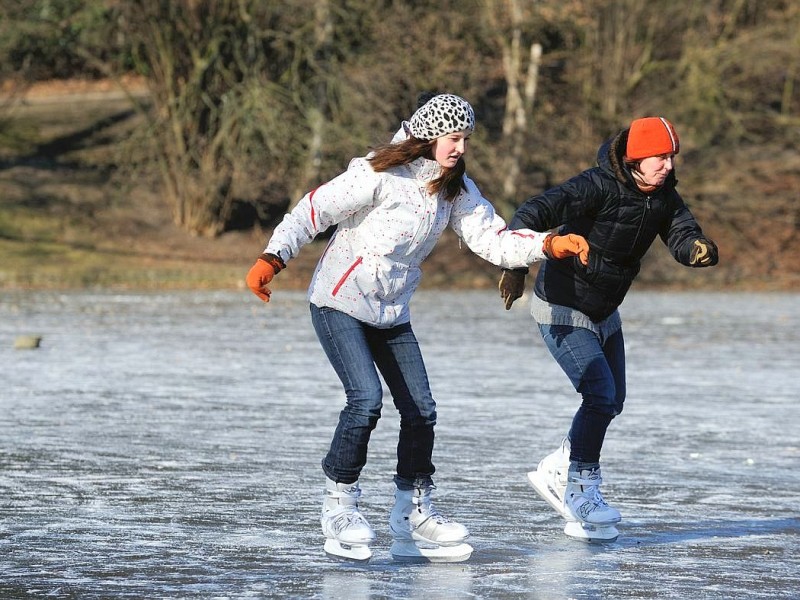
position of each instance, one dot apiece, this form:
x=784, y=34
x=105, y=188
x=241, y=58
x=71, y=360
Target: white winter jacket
x=387, y=225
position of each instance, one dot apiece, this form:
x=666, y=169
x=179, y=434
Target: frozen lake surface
x=168, y=445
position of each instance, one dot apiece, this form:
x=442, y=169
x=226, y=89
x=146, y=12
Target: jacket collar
x=425, y=170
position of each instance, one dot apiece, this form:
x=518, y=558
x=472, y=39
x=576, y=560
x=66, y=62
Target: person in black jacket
x=620, y=206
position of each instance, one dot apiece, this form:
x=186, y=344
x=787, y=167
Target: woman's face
x=447, y=149
x=653, y=170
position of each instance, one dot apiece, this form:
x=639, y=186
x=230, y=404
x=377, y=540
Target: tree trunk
x=521, y=84
x=316, y=114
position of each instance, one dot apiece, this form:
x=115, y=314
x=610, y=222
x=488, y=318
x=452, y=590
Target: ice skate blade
x=539, y=485
x=336, y=549
x=591, y=534
x=408, y=551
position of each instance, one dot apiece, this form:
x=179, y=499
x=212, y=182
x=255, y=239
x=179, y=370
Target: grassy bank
x=69, y=218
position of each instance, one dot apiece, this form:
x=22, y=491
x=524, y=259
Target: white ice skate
x=422, y=534
x=348, y=534
x=576, y=497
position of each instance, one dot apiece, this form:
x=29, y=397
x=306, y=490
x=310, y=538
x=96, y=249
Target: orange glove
x=261, y=273
x=563, y=246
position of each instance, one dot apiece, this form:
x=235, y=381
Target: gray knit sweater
x=554, y=314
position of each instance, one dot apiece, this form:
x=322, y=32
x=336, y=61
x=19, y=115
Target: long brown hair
x=451, y=181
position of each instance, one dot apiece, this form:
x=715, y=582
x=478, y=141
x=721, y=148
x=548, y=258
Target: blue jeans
x=357, y=352
x=596, y=368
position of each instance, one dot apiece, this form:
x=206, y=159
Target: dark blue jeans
x=357, y=352
x=596, y=368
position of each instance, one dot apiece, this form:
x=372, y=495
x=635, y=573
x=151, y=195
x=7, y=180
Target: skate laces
x=345, y=518
x=434, y=514
x=590, y=487
x=593, y=490
x=428, y=510
x=597, y=497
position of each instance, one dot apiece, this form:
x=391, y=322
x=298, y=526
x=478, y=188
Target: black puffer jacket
x=620, y=223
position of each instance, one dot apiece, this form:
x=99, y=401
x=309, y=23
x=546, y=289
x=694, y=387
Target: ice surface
x=168, y=445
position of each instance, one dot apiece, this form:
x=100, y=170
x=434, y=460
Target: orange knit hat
x=651, y=136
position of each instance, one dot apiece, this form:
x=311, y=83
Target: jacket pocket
x=395, y=282
x=346, y=276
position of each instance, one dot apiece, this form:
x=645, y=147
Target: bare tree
x=521, y=75
x=215, y=104
x=317, y=112
x=618, y=54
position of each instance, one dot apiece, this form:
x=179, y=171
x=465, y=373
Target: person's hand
x=704, y=253
x=261, y=273
x=563, y=246
x=512, y=285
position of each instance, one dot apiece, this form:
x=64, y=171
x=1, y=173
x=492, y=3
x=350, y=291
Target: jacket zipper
x=430, y=205
x=341, y=281
x=641, y=223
